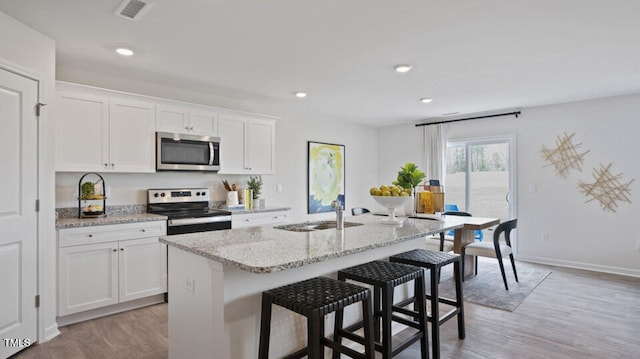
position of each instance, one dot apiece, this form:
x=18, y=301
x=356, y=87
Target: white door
x=18, y=217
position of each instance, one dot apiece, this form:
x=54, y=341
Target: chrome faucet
x=339, y=214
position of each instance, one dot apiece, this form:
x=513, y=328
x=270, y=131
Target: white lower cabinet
x=98, y=271
x=243, y=220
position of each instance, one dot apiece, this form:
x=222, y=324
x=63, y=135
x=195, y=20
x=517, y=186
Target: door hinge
x=37, y=205
x=39, y=107
x=38, y=301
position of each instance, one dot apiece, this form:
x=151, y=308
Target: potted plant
x=409, y=177
x=255, y=185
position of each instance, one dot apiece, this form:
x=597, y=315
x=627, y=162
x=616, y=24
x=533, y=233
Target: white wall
x=581, y=234
x=293, y=130
x=28, y=51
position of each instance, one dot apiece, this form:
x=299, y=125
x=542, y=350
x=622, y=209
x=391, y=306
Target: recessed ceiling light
x=124, y=51
x=403, y=68
x=426, y=100
x=301, y=94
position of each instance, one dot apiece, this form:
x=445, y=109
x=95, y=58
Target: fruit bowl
x=391, y=203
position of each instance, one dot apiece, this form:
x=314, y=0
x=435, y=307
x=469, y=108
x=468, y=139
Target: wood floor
x=572, y=314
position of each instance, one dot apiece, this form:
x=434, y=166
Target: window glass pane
x=454, y=189
x=489, y=180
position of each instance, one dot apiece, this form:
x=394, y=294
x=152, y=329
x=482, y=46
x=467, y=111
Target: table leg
x=462, y=237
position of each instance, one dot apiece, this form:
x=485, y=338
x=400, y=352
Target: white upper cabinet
x=101, y=133
x=131, y=136
x=100, y=130
x=185, y=119
x=82, y=132
x=247, y=143
x=172, y=119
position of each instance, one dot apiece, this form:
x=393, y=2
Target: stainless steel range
x=187, y=210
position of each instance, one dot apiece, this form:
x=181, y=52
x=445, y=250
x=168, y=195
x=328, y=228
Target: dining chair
x=494, y=249
x=358, y=210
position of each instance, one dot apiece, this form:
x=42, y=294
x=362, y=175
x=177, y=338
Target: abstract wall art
x=565, y=156
x=325, y=171
x=607, y=188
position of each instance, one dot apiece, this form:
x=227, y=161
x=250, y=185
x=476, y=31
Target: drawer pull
x=90, y=235
x=143, y=230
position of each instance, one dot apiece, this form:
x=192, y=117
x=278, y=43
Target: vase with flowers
x=254, y=184
x=409, y=177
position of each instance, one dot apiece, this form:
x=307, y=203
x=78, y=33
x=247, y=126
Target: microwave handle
x=211, y=153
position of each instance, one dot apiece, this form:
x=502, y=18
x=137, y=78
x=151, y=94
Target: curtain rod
x=515, y=113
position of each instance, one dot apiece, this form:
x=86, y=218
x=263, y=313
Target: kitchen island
x=216, y=279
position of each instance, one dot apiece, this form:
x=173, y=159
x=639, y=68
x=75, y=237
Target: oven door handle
x=188, y=221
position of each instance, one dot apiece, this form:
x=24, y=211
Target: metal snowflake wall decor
x=607, y=188
x=565, y=156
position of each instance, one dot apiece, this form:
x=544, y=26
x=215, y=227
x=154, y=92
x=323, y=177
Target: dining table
x=463, y=235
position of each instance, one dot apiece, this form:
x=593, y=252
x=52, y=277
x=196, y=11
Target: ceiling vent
x=132, y=9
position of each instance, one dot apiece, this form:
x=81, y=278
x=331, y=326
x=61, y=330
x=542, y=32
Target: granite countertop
x=110, y=219
x=267, y=249
x=258, y=210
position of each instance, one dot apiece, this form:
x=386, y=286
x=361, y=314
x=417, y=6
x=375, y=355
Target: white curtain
x=434, y=140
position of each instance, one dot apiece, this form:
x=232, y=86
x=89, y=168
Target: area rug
x=487, y=288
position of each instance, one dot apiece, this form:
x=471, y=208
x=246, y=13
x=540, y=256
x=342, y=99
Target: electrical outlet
x=545, y=236
x=190, y=285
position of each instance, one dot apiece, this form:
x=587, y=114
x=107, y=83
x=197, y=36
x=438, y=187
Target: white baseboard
x=112, y=309
x=51, y=332
x=580, y=265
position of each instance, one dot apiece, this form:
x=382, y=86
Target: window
x=480, y=177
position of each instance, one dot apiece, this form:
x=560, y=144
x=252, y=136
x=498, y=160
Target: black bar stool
x=434, y=261
x=314, y=298
x=384, y=277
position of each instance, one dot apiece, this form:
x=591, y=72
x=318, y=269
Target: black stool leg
x=421, y=308
x=369, y=347
x=337, y=327
x=435, y=315
x=377, y=312
x=459, y=298
x=387, y=303
x=265, y=328
x=314, y=345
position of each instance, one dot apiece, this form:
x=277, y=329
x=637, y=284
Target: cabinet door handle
x=186, y=128
x=143, y=230
x=106, y=165
x=113, y=164
x=90, y=235
x=121, y=249
x=191, y=128
x=115, y=250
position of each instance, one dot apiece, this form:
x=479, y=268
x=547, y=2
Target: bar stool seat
x=384, y=277
x=314, y=298
x=434, y=261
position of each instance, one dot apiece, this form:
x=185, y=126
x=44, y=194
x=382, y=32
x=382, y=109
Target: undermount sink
x=314, y=226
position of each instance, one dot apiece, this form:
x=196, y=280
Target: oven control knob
x=162, y=194
x=156, y=194
x=197, y=193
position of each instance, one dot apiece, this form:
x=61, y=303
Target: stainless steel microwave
x=182, y=152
